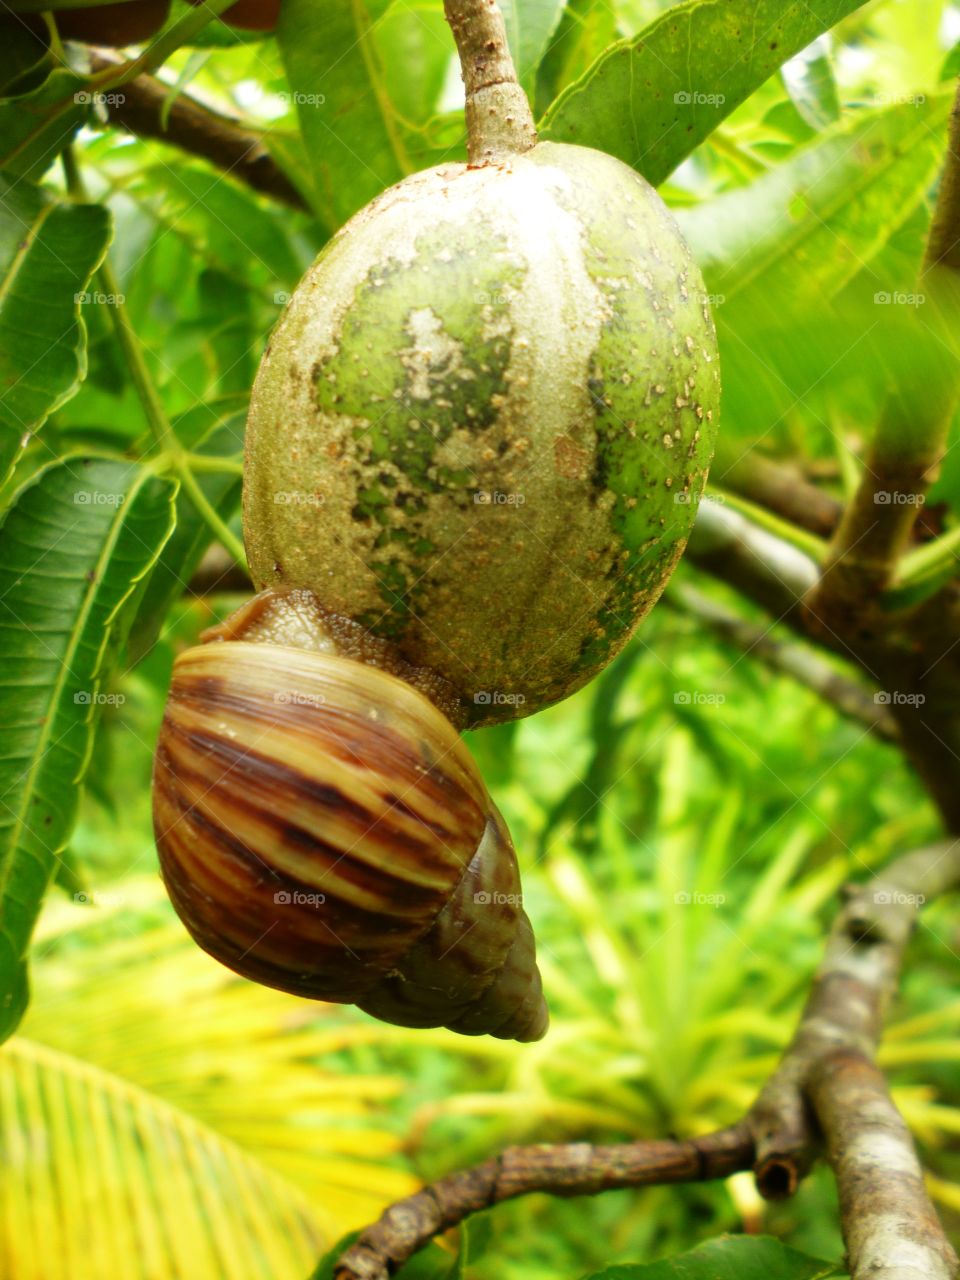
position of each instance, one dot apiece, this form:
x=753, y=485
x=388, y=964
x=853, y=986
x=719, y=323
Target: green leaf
x=530, y=25
x=816, y=229
x=775, y=253
x=48, y=251
x=353, y=137
x=809, y=80
x=244, y=234
x=415, y=50
x=584, y=31
x=72, y=549
x=651, y=100
x=951, y=66
x=728, y=1258
x=36, y=127
x=803, y=230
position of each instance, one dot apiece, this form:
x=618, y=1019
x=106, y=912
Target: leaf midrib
x=811, y=225
x=78, y=632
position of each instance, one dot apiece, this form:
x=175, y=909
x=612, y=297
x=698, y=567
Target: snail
x=323, y=829
x=475, y=447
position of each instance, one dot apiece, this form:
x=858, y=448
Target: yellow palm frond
x=105, y=1180
x=261, y=1073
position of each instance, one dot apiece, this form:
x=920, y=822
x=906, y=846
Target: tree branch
x=912, y=656
x=802, y=662
x=943, y=242
x=778, y=1137
x=846, y=1006
x=762, y=566
x=778, y=486
x=225, y=142
x=891, y=1229
x=574, y=1169
x=910, y=439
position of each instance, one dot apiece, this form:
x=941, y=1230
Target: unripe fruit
x=483, y=423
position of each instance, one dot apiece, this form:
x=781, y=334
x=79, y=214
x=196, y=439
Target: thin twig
x=802, y=662
x=574, y=1169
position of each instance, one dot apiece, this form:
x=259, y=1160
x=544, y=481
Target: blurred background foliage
x=683, y=825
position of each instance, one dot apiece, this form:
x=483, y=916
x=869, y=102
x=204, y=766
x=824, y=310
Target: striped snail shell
x=323, y=829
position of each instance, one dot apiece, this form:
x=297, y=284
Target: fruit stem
x=499, y=119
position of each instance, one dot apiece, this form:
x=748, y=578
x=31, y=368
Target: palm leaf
x=162, y=1117
x=105, y=1180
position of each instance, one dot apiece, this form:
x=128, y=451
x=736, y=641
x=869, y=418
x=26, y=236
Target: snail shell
x=324, y=830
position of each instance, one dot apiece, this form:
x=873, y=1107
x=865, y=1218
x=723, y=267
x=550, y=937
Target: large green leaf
x=48, y=251
x=35, y=127
x=353, y=136
x=776, y=252
x=729, y=1258
x=239, y=233
x=276, y=1076
x=806, y=228
x=414, y=50
x=72, y=549
x=584, y=31
x=651, y=100
x=809, y=80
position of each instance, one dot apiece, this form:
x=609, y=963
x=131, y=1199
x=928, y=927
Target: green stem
x=165, y=44
x=211, y=518
x=926, y=560
x=217, y=466
x=56, y=44
x=164, y=436
x=806, y=542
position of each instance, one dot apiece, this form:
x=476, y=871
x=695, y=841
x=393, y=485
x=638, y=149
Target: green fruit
x=483, y=423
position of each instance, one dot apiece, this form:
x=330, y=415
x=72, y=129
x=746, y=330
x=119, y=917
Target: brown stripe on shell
x=400, y=715
x=304, y=941
x=372, y=842
x=443, y=801
x=358, y=889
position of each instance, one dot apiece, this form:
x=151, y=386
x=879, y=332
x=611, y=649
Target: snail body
x=483, y=423
x=323, y=829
